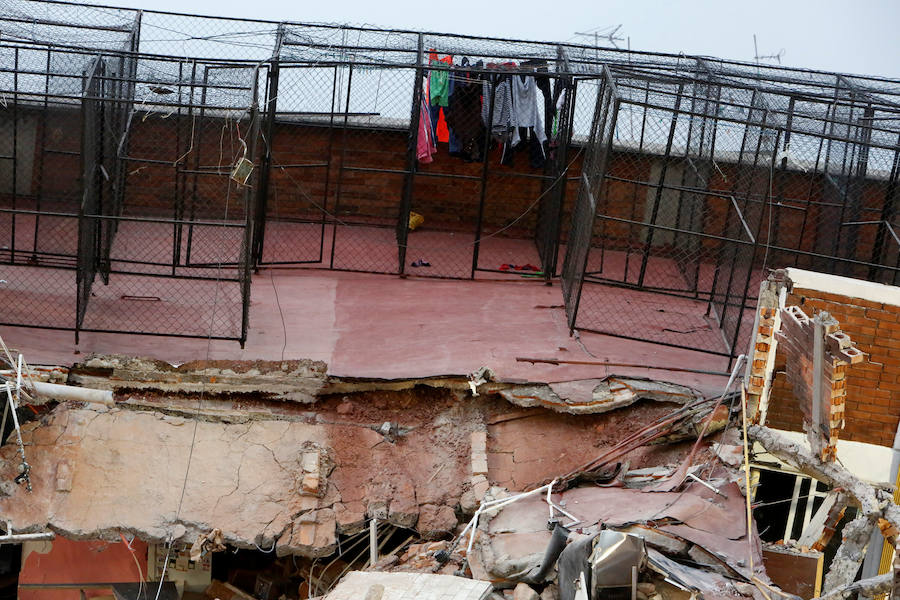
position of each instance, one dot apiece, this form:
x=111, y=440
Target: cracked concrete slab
x=290, y=475
x=593, y=396
x=100, y=472
x=288, y=380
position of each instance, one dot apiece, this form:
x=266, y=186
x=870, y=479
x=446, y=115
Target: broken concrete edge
x=311, y=531
x=181, y=532
x=306, y=381
x=875, y=504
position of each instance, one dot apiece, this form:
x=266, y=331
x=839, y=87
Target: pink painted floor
x=374, y=249
x=366, y=325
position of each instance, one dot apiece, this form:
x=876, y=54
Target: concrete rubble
x=293, y=467
x=455, y=486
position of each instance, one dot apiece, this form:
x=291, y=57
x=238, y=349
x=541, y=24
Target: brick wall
x=873, y=387
x=447, y=191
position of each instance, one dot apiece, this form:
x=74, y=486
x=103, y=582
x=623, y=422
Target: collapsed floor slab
x=292, y=475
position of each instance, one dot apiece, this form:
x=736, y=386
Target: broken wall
x=872, y=408
x=293, y=476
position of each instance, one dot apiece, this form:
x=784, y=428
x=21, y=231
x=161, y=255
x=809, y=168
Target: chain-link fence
x=705, y=185
x=398, y=152
x=128, y=135
x=120, y=212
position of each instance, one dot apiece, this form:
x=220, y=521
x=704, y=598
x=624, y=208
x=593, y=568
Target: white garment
x=526, y=109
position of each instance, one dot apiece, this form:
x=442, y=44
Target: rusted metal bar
x=600, y=363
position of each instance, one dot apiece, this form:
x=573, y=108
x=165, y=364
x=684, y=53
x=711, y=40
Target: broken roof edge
x=844, y=286
x=306, y=382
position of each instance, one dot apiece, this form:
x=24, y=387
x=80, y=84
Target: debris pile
x=457, y=486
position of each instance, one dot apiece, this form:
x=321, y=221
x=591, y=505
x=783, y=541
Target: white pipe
x=19, y=376
x=18, y=538
x=566, y=514
x=373, y=542
x=496, y=504
x=69, y=392
x=549, y=502
x=15, y=417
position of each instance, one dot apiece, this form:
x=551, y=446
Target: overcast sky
x=861, y=36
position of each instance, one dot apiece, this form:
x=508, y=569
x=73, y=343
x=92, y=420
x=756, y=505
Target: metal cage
x=150, y=160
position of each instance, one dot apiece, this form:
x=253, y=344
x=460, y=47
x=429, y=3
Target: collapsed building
x=273, y=479
x=707, y=409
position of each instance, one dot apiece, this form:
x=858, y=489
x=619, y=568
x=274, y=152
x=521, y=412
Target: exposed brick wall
x=873, y=387
x=449, y=201
x=447, y=191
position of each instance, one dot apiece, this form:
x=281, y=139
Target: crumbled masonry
x=503, y=489
x=286, y=456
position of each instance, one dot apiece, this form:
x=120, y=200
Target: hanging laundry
x=543, y=80
x=425, y=144
x=439, y=95
x=439, y=80
x=543, y=84
x=560, y=102
x=451, y=140
x=497, y=108
x=525, y=106
x=527, y=118
x=464, y=118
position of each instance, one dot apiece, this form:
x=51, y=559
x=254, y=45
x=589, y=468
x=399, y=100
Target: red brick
x=870, y=304
x=885, y=325
x=882, y=315
x=887, y=342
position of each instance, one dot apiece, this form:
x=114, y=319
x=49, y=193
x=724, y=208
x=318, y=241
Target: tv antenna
x=605, y=33
x=759, y=57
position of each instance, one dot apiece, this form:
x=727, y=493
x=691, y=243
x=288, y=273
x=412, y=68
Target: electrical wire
x=337, y=220
x=278, y=302
x=203, y=384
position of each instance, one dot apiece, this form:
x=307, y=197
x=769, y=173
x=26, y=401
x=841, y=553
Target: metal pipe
x=76, y=394
x=18, y=538
x=554, y=548
x=373, y=541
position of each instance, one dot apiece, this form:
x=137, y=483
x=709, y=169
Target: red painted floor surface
x=362, y=325
x=366, y=325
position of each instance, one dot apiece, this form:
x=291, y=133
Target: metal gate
x=296, y=187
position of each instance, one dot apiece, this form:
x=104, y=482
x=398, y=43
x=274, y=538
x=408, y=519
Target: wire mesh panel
x=666, y=220
x=178, y=257
x=407, y=134
x=121, y=167
x=832, y=187
x=479, y=194
x=301, y=136
x=93, y=187
x=129, y=171
x=72, y=25
x=698, y=201
x=42, y=124
x=581, y=235
x=42, y=170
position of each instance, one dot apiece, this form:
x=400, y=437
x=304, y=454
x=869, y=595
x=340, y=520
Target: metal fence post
x=651, y=224
x=247, y=258
x=265, y=165
x=340, y=174
x=411, y=162
x=888, y=211
x=484, y=176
